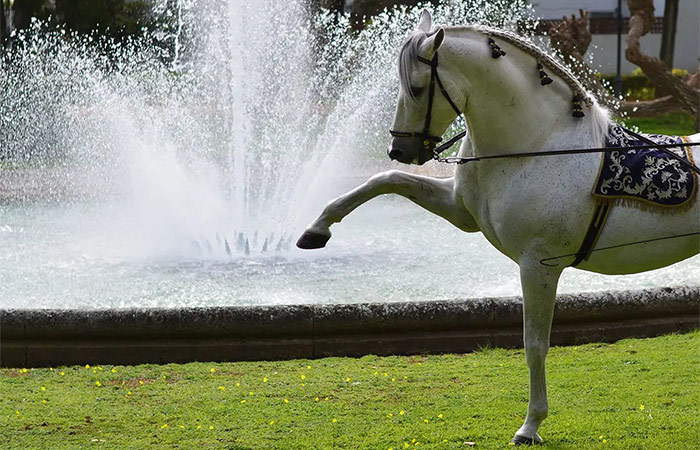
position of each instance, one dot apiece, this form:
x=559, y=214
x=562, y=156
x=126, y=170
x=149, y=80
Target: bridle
x=428, y=139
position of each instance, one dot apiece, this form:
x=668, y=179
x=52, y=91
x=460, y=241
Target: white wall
x=604, y=47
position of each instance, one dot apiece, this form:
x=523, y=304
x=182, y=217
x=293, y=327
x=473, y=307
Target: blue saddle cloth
x=649, y=176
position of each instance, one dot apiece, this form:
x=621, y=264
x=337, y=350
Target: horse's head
x=424, y=109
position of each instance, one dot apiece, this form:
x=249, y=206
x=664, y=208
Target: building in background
x=603, y=26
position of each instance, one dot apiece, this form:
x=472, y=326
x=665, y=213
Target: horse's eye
x=416, y=90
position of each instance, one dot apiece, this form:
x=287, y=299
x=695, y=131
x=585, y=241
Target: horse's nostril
x=395, y=153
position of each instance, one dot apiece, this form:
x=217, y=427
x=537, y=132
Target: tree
x=571, y=38
x=682, y=93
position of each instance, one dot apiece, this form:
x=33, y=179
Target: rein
x=573, y=151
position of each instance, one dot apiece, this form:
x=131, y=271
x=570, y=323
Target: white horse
x=530, y=209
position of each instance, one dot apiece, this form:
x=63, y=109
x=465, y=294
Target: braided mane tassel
x=544, y=78
x=496, y=51
x=576, y=103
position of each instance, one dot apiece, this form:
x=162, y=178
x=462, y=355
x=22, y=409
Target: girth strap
x=600, y=216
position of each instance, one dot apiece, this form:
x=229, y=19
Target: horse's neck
x=507, y=108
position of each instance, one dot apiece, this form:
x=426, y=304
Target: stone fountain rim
x=41, y=337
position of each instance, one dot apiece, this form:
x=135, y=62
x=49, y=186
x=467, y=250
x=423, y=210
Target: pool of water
x=90, y=255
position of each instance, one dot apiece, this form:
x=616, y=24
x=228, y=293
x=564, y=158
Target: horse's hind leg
x=434, y=194
x=539, y=285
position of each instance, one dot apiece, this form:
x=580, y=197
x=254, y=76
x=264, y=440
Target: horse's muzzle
x=408, y=154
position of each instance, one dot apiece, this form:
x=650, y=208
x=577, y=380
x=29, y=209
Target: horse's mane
x=409, y=53
x=407, y=58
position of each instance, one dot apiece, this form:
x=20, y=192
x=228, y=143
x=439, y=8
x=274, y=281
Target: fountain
x=174, y=169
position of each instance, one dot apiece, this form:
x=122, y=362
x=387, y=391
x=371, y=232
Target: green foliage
x=113, y=17
x=632, y=394
x=637, y=86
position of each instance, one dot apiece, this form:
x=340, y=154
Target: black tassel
x=496, y=51
x=544, y=78
x=578, y=112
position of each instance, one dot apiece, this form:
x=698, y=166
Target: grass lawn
x=635, y=394
x=673, y=124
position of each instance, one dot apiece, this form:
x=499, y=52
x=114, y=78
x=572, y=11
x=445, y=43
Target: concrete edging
x=35, y=338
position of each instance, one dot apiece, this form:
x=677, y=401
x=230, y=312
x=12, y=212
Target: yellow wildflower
x=265, y=380
x=114, y=370
x=347, y=379
x=334, y=420
x=426, y=420
x=286, y=400
x=440, y=416
x=63, y=373
x=402, y=412
x=212, y=370
x=316, y=399
x=87, y=366
x=98, y=384
x=272, y=422
x=641, y=407
x=211, y=427
x=303, y=377
x=43, y=388
x=165, y=425
x=222, y=388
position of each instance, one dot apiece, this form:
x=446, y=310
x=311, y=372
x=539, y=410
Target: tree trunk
x=668, y=37
x=3, y=25
x=642, y=17
x=652, y=108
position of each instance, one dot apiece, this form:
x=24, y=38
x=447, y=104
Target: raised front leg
x=434, y=194
x=539, y=285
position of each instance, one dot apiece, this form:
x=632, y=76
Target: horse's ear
x=426, y=21
x=431, y=44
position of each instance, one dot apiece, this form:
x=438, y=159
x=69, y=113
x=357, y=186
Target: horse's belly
x=644, y=240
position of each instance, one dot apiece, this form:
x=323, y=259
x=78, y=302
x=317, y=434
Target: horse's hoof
x=522, y=440
x=310, y=240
